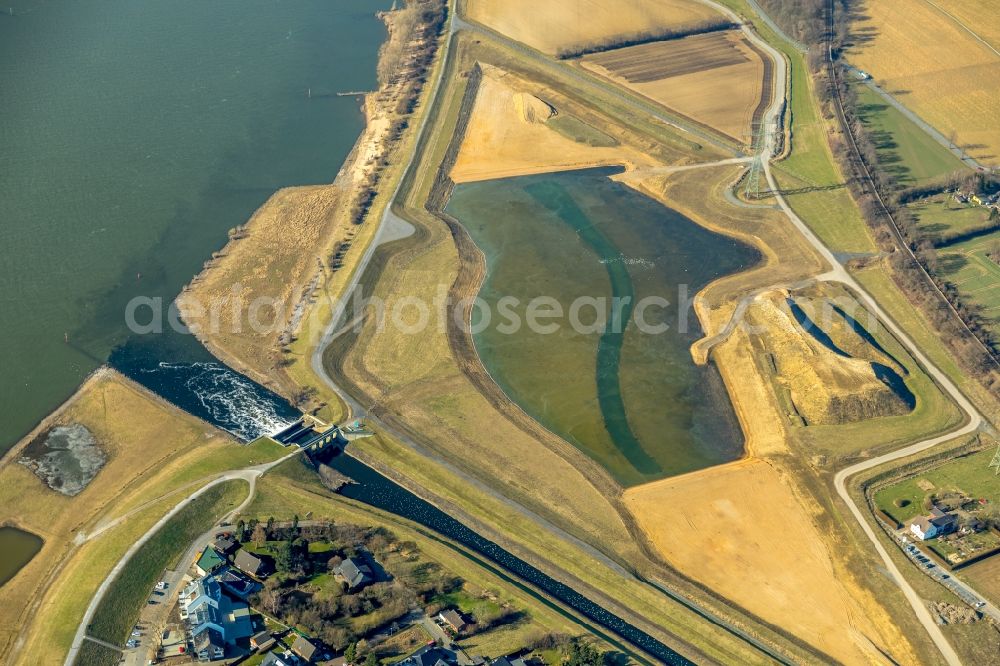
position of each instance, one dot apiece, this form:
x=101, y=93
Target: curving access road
x=840, y=274
x=248, y=474
x=837, y=273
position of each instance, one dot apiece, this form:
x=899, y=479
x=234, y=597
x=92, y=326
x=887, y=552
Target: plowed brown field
x=715, y=79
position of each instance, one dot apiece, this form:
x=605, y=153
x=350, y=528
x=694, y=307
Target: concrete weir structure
x=309, y=433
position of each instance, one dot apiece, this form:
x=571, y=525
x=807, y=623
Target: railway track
x=868, y=182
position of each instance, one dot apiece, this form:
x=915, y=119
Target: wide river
x=133, y=136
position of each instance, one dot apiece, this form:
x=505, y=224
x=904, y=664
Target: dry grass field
x=555, y=25
x=257, y=287
x=741, y=530
x=511, y=132
x=935, y=67
x=979, y=16
x=715, y=79
x=152, y=449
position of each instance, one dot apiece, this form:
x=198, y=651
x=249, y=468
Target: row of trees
x=403, y=73
x=634, y=39
x=802, y=20
x=950, y=315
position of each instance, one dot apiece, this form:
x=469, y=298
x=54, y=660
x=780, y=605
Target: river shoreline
x=333, y=224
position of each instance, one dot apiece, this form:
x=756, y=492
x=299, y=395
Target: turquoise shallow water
x=629, y=396
x=133, y=135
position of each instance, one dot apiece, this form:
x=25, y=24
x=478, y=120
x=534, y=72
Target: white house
x=213, y=618
x=938, y=522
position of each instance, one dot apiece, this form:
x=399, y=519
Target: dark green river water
x=133, y=135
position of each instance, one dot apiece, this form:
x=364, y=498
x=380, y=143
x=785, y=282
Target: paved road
x=249, y=474
x=836, y=273
x=928, y=129
x=961, y=589
x=839, y=274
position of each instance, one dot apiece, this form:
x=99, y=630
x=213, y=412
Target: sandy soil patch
x=824, y=387
x=512, y=132
x=716, y=79
x=740, y=530
x=554, y=25
x=935, y=67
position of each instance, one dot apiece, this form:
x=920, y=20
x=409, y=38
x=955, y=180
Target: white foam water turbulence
x=223, y=397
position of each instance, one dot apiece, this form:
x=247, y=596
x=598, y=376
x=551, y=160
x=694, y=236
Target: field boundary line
x=961, y=24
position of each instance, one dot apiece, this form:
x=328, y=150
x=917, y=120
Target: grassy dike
x=118, y=610
x=522, y=531
x=156, y=456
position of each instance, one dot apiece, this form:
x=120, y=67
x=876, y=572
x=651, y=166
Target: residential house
x=935, y=524
x=509, y=661
x=249, y=563
x=275, y=659
x=305, y=648
x=262, y=641
x=226, y=545
x=208, y=561
x=354, y=572
x=236, y=583
x=431, y=656
x=209, y=645
x=452, y=620
x=204, y=606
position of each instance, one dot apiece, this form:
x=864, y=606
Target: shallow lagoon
x=18, y=547
x=628, y=395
